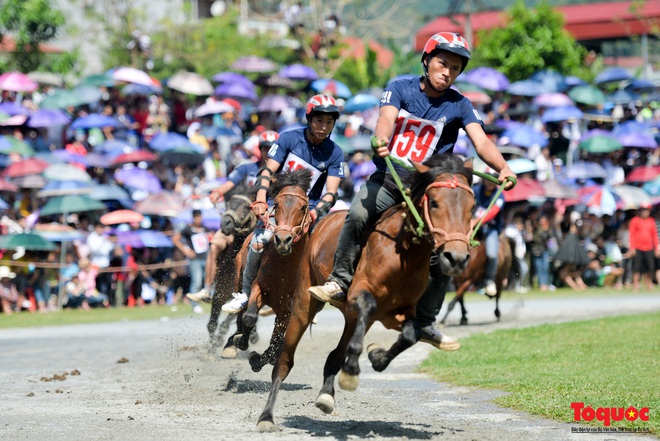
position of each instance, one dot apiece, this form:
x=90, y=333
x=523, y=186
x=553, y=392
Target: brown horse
x=237, y=223
x=476, y=272
x=279, y=264
x=391, y=276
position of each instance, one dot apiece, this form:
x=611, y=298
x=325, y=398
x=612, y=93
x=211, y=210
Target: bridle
x=440, y=236
x=243, y=224
x=297, y=231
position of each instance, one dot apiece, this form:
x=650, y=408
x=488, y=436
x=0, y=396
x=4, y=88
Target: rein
x=247, y=222
x=297, y=231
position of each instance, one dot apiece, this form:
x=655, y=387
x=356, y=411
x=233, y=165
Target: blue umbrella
x=557, y=114
x=60, y=188
x=623, y=96
x=524, y=136
x=236, y=90
x=637, y=85
x=487, y=78
x=551, y=79
x=527, y=88
x=521, y=165
x=169, y=141
x=114, y=145
x=298, y=72
x=108, y=192
x=94, y=120
x=12, y=109
x=652, y=187
x=637, y=139
x=48, y=118
x=361, y=102
x=139, y=179
x=585, y=170
x=99, y=159
x=331, y=87
x=612, y=74
x=630, y=126
x=572, y=81
x=232, y=77
x=140, y=89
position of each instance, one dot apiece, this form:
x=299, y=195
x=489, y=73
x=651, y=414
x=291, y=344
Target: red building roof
x=8, y=44
x=592, y=21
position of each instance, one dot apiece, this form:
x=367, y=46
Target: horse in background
x=391, y=276
x=476, y=272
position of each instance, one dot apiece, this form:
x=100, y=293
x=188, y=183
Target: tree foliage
x=533, y=39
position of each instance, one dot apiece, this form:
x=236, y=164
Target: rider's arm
x=487, y=151
x=384, y=128
x=264, y=177
x=217, y=193
x=329, y=198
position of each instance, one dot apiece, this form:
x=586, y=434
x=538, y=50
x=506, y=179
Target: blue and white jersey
x=293, y=151
x=245, y=174
x=425, y=125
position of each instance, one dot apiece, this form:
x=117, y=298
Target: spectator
x=516, y=232
x=193, y=242
x=643, y=245
x=539, y=250
x=10, y=299
x=100, y=248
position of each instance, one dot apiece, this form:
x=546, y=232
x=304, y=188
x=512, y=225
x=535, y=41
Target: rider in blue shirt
x=418, y=117
x=310, y=148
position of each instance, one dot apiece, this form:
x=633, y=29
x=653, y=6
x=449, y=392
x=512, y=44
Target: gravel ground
x=156, y=380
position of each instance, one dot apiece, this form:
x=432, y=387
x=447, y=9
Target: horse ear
x=420, y=167
x=469, y=163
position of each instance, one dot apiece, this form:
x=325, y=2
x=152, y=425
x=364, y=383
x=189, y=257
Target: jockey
x=245, y=174
x=491, y=228
x=418, y=117
x=310, y=148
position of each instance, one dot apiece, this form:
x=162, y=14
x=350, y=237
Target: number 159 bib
x=414, y=139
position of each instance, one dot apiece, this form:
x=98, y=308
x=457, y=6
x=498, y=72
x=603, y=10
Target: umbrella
x=551, y=79
x=55, y=232
x=132, y=75
x=210, y=218
x=68, y=157
x=622, y=96
x=600, y=144
x=17, y=82
x=97, y=80
x=165, y=203
x=97, y=160
x=8, y=186
x=11, y=108
x=140, y=89
x=477, y=98
x=232, y=77
x=599, y=199
x=557, y=190
x=191, y=83
x=331, y=87
x=121, y=217
x=630, y=126
x=556, y=114
x=144, y=239
x=527, y=88
x=239, y=91
x=521, y=165
x=112, y=145
x=138, y=179
x=631, y=197
x=572, y=81
x=59, y=99
x=526, y=189
x=522, y=135
x=298, y=72
x=10, y=144
x=60, y=188
x=652, y=187
x=644, y=173
x=168, y=141
x=46, y=78
x=26, y=167
x=273, y=103
x=641, y=86
x=94, y=120
x=213, y=108
x=183, y=156
x=48, y=118
x=277, y=81
x=361, y=102
x=587, y=94
x=66, y=172
x=29, y=241
x=571, y=252
x=30, y=181
x=16, y=120
x=70, y=204
x=135, y=156
x=109, y=192
x=612, y=74
x=552, y=99
x=488, y=78
x=585, y=170
x=637, y=139
x=87, y=94
x=253, y=63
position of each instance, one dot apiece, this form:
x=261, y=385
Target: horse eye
x=434, y=204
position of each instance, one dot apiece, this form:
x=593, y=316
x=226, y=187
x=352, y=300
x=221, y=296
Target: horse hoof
x=348, y=382
x=326, y=403
x=373, y=350
x=254, y=337
x=229, y=353
x=464, y=322
x=267, y=426
x=255, y=361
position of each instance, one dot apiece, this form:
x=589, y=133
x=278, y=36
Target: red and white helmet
x=268, y=137
x=447, y=41
x=322, y=104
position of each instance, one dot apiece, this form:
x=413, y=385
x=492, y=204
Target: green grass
x=612, y=362
x=97, y=315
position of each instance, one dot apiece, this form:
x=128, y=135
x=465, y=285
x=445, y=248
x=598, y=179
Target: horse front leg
x=450, y=307
x=258, y=361
x=350, y=371
x=464, y=320
x=381, y=358
x=249, y=319
x=216, y=310
x=326, y=397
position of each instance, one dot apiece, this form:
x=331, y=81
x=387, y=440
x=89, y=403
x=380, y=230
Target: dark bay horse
x=476, y=272
x=279, y=264
x=391, y=276
x=237, y=223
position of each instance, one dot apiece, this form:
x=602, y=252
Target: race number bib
x=200, y=242
x=293, y=162
x=414, y=139
x=250, y=180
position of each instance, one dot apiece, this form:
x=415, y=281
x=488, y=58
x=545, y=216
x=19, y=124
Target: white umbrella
x=213, y=107
x=132, y=75
x=190, y=82
x=66, y=172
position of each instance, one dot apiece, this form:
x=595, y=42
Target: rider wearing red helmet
x=418, y=117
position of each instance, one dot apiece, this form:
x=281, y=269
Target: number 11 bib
x=414, y=139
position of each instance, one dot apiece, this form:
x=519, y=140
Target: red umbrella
x=643, y=173
x=136, y=156
x=525, y=189
x=26, y=167
x=121, y=217
x=7, y=186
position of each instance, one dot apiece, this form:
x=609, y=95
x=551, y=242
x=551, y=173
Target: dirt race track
x=155, y=380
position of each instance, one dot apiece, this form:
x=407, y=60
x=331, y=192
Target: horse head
x=291, y=208
x=442, y=188
x=239, y=217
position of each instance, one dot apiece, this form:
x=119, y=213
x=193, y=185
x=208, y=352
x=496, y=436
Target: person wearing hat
x=644, y=246
x=10, y=299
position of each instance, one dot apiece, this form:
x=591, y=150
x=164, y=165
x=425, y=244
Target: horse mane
x=300, y=178
x=438, y=164
x=245, y=190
